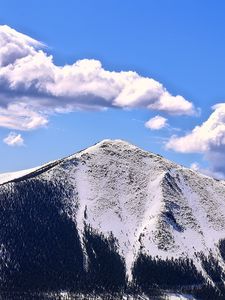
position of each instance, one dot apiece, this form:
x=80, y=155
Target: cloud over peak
x=30, y=81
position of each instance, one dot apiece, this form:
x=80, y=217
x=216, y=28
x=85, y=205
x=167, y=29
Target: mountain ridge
x=162, y=183
x=24, y=172
x=149, y=205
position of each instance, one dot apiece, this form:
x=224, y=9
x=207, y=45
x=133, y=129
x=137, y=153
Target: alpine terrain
x=113, y=220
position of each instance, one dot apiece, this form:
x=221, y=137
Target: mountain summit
x=112, y=208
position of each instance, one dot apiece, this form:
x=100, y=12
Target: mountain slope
x=137, y=200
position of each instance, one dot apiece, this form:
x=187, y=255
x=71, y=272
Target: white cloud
x=20, y=117
x=15, y=45
x=30, y=80
x=196, y=167
x=14, y=139
x=156, y=123
x=208, y=139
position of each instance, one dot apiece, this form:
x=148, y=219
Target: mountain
x=113, y=219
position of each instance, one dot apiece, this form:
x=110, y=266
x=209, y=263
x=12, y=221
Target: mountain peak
x=149, y=204
x=102, y=151
x=111, y=143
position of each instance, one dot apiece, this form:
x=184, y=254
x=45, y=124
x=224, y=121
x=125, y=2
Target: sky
x=78, y=71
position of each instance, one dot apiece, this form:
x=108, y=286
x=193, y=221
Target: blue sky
x=180, y=44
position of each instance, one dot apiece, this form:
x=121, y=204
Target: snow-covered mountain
x=147, y=210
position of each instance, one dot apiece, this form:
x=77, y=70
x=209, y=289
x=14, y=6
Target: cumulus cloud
x=30, y=81
x=196, y=167
x=14, y=139
x=20, y=117
x=208, y=138
x=15, y=45
x=156, y=123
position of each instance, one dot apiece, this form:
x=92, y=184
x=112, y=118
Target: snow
x=5, y=177
x=111, y=194
x=10, y=176
x=130, y=192
x=173, y=296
